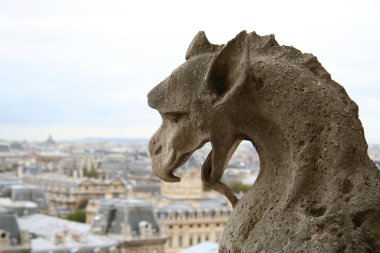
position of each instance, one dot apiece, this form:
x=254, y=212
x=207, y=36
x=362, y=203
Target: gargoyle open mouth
x=216, y=183
x=207, y=167
x=170, y=177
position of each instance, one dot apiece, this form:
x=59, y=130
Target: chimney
x=145, y=229
x=77, y=237
x=59, y=238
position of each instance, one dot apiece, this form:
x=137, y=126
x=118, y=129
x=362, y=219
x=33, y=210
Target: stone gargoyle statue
x=317, y=191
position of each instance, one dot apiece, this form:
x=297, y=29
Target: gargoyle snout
x=161, y=161
x=155, y=147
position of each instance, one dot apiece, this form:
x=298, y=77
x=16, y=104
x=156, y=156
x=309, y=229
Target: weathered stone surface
x=317, y=191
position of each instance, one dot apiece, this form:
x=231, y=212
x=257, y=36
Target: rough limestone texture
x=317, y=191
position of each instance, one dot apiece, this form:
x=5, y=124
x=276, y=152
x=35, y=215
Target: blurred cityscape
x=100, y=195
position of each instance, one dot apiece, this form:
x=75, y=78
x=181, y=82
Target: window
x=170, y=242
x=191, y=240
x=199, y=239
x=206, y=238
x=180, y=241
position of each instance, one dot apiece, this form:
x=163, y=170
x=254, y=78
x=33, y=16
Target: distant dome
x=50, y=140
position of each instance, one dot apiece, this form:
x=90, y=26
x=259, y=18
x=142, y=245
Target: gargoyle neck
x=311, y=151
x=274, y=152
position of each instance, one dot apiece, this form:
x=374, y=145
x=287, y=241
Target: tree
x=78, y=216
x=92, y=173
x=239, y=187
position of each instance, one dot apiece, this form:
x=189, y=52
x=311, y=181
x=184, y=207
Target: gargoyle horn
x=200, y=45
x=230, y=67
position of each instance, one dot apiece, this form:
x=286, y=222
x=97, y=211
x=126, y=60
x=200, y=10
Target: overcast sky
x=78, y=69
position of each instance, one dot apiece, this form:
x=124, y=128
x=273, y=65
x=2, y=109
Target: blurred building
x=132, y=222
x=6, y=184
x=55, y=235
x=74, y=193
x=20, y=207
x=147, y=189
x=30, y=193
x=186, y=213
x=190, y=188
x=12, y=240
x=24, y=200
x=189, y=214
x=8, y=159
x=42, y=160
x=113, y=166
x=77, y=165
x=139, y=165
x=187, y=225
x=5, y=147
x=206, y=247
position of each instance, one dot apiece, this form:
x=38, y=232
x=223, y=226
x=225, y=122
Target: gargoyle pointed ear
x=230, y=66
x=200, y=45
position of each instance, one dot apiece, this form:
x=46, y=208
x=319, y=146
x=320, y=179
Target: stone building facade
x=191, y=186
x=189, y=214
x=131, y=222
x=12, y=240
x=77, y=166
x=187, y=226
x=74, y=194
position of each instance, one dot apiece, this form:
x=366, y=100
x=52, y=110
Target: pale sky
x=77, y=69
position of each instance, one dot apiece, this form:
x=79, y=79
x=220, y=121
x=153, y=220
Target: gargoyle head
x=195, y=105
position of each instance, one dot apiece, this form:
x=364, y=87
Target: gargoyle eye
x=174, y=116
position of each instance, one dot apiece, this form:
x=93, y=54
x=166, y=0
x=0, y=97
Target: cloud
x=91, y=63
x=73, y=132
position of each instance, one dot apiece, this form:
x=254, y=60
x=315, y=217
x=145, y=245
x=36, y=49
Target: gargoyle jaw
x=169, y=175
x=206, y=168
x=166, y=172
x=211, y=177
